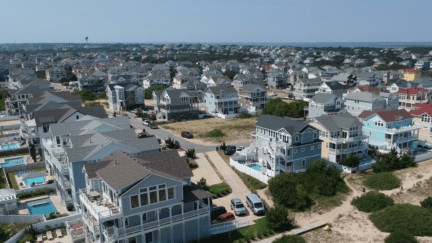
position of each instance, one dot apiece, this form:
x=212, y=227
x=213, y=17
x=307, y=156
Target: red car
x=226, y=217
x=186, y=134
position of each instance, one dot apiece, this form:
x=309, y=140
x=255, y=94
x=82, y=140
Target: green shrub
x=55, y=216
x=190, y=153
x=203, y=184
x=260, y=235
x=244, y=115
x=193, y=165
x=215, y=133
x=405, y=218
x=352, y=161
x=172, y=144
x=38, y=193
x=221, y=188
x=277, y=217
x=391, y=162
x=92, y=103
x=149, y=92
x=427, y=203
x=382, y=181
x=372, y=202
x=290, y=239
x=400, y=236
x=223, y=147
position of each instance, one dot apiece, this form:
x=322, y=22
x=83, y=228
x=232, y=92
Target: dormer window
x=297, y=138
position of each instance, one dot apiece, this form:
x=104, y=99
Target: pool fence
x=248, y=170
x=5, y=177
x=37, y=188
x=12, y=152
x=14, y=219
x=24, y=167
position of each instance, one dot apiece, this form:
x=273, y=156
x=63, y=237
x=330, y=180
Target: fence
x=423, y=157
x=37, y=188
x=24, y=167
x=18, y=236
x=13, y=219
x=56, y=223
x=7, y=127
x=6, y=179
x=14, y=151
x=249, y=171
x=9, y=118
x=228, y=226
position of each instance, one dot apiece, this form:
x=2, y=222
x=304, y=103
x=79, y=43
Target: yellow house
x=410, y=74
x=341, y=135
x=422, y=116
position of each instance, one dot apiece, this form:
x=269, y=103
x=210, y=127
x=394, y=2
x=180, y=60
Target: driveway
x=185, y=144
x=59, y=86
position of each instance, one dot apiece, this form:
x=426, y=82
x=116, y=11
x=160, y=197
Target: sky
x=153, y=21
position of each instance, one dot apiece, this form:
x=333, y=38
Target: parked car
x=216, y=212
x=240, y=148
x=142, y=135
x=150, y=124
x=255, y=203
x=230, y=150
x=226, y=217
x=186, y=134
x=238, y=207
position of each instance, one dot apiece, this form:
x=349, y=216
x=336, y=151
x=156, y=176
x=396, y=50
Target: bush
x=244, y=115
x=215, y=133
x=223, y=147
x=92, y=103
x=192, y=164
x=38, y=193
x=372, y=202
x=290, y=239
x=277, y=107
x=277, y=218
x=352, y=161
x=55, y=216
x=293, y=190
x=172, y=144
x=405, y=218
x=203, y=184
x=190, y=153
x=391, y=162
x=86, y=95
x=427, y=203
x=148, y=92
x=400, y=236
x=382, y=181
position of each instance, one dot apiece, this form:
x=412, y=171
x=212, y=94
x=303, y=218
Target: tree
x=3, y=95
x=230, y=74
x=391, y=162
x=277, y=218
x=102, y=95
x=203, y=184
x=149, y=91
x=41, y=74
x=427, y=203
x=86, y=95
x=351, y=161
x=278, y=107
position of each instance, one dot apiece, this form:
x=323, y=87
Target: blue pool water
x=363, y=162
x=43, y=207
x=13, y=162
x=255, y=167
x=36, y=180
x=9, y=146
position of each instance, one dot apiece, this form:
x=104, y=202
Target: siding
x=178, y=233
x=191, y=230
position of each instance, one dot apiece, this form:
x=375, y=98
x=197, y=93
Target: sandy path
x=409, y=183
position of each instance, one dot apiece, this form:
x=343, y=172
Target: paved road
x=162, y=134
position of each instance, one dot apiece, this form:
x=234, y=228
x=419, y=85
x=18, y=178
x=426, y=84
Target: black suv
x=230, y=150
x=216, y=212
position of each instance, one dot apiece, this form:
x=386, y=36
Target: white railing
x=228, y=226
x=350, y=139
x=104, y=213
x=249, y=171
x=406, y=139
x=348, y=150
x=402, y=129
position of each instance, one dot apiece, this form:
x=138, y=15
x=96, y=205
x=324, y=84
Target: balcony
x=99, y=205
x=406, y=139
x=347, y=140
x=348, y=150
x=227, y=99
x=62, y=181
x=114, y=232
x=77, y=234
x=402, y=129
x=26, y=133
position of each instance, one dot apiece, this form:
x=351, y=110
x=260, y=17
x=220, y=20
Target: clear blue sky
x=30, y=21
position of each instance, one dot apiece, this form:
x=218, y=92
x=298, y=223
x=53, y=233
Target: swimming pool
x=9, y=146
x=13, y=162
x=41, y=207
x=36, y=180
x=255, y=167
x=363, y=162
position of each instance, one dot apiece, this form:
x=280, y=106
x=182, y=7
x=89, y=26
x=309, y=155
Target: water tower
x=86, y=38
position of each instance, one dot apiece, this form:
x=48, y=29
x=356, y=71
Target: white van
x=255, y=204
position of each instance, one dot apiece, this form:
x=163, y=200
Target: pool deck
x=55, y=200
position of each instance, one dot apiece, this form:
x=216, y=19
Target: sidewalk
x=205, y=170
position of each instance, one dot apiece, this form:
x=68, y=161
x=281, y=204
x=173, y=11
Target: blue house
x=422, y=64
x=222, y=101
x=390, y=129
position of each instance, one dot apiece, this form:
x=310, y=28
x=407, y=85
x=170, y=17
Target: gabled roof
x=275, y=123
x=412, y=91
x=386, y=115
x=218, y=90
x=40, y=97
x=365, y=88
x=337, y=121
x=364, y=96
x=423, y=108
x=321, y=98
x=61, y=115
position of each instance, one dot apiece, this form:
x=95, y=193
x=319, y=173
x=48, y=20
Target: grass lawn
x=14, y=155
x=3, y=183
x=325, y=204
x=220, y=189
x=382, y=181
x=234, y=129
x=40, y=169
x=257, y=231
x=12, y=181
x=252, y=183
x=11, y=230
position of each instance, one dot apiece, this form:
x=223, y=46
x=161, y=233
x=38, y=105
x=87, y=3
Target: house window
x=303, y=149
x=134, y=201
x=313, y=147
x=319, y=146
x=303, y=163
x=153, y=195
x=295, y=151
x=171, y=193
x=315, y=135
x=144, y=217
x=144, y=197
x=297, y=138
x=77, y=117
x=162, y=193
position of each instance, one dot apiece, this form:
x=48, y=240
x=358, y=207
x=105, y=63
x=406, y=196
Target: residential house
x=341, y=135
x=410, y=74
x=222, y=101
x=361, y=62
x=324, y=103
x=125, y=96
x=174, y=104
x=401, y=84
x=306, y=88
x=333, y=87
x=409, y=97
x=242, y=79
x=368, y=78
x=390, y=129
x=344, y=78
x=18, y=98
x=422, y=116
x=184, y=76
x=277, y=79
x=357, y=102
x=423, y=64
x=157, y=77
x=253, y=97
x=55, y=73
x=364, y=88
x=282, y=145
x=71, y=145
x=154, y=201
x=219, y=81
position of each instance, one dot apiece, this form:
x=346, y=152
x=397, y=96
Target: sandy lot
x=235, y=130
